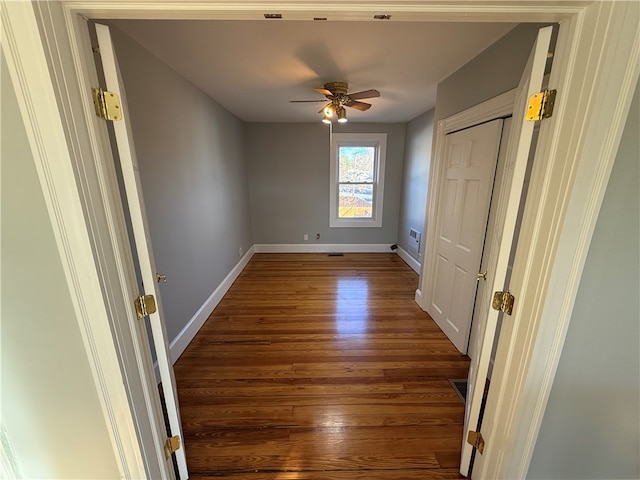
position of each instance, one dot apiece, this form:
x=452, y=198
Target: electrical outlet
x=317, y=236
x=240, y=251
x=306, y=236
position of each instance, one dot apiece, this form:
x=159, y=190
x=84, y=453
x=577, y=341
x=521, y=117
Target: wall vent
x=414, y=240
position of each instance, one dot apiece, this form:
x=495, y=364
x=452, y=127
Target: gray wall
x=592, y=421
x=50, y=407
x=192, y=164
x=415, y=179
x=496, y=70
x=289, y=183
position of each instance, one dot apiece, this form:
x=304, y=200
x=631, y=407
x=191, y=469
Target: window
x=357, y=179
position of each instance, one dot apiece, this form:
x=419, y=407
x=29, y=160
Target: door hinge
x=107, y=104
x=171, y=445
x=541, y=105
x=145, y=305
x=503, y=301
x=475, y=439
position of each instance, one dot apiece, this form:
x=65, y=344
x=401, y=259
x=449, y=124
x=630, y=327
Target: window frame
x=379, y=142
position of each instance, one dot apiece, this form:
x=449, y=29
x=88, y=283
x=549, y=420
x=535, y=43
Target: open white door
x=491, y=245
x=505, y=231
x=137, y=213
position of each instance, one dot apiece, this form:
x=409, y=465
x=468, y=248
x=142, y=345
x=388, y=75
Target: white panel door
x=491, y=241
x=136, y=210
x=504, y=235
x=470, y=163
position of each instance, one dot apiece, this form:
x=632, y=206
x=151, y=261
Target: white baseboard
x=182, y=340
x=323, y=248
x=418, y=298
x=409, y=260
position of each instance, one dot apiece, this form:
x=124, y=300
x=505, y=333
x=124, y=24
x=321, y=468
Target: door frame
x=595, y=72
x=492, y=109
x=122, y=142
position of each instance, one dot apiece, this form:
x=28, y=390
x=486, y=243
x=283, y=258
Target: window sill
x=353, y=222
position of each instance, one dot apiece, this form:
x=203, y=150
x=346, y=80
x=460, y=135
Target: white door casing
x=505, y=232
x=140, y=229
x=470, y=162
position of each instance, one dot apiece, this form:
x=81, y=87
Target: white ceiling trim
x=445, y=10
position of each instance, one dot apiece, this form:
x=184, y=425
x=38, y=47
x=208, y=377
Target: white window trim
x=378, y=140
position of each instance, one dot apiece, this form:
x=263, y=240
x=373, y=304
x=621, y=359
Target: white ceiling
x=253, y=68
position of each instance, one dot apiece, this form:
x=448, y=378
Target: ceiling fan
x=338, y=96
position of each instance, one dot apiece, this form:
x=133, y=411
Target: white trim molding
x=409, y=260
x=418, y=296
x=8, y=463
x=323, y=248
x=496, y=107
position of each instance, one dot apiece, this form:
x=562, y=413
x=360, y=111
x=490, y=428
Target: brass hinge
x=171, y=445
x=475, y=439
x=503, y=301
x=107, y=104
x=541, y=105
x=145, y=305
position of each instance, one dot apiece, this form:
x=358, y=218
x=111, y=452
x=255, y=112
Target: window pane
x=356, y=164
x=355, y=201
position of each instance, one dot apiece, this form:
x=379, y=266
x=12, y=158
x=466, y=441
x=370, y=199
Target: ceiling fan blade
x=364, y=94
x=307, y=101
x=358, y=105
x=324, y=91
x=323, y=107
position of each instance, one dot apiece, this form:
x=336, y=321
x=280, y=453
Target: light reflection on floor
x=352, y=305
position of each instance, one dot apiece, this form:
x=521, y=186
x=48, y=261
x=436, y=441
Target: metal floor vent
x=335, y=254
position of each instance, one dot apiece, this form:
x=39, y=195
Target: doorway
x=613, y=49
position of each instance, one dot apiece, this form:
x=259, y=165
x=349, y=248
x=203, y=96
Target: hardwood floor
x=317, y=367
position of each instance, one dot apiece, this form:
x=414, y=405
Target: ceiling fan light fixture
x=328, y=114
x=336, y=93
x=342, y=115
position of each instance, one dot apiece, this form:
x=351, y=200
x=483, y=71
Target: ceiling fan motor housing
x=337, y=88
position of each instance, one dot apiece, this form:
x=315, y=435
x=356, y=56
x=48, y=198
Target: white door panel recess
x=136, y=210
x=505, y=238
x=470, y=163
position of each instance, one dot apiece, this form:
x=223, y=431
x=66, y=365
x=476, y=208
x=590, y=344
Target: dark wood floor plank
x=321, y=368
x=299, y=461
x=404, y=474
x=204, y=397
